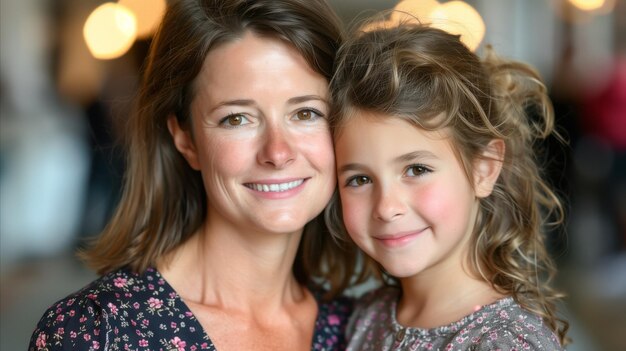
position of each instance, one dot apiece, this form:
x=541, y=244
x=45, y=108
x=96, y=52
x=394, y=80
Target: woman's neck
x=228, y=269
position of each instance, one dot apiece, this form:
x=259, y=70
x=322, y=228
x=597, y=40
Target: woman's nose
x=277, y=148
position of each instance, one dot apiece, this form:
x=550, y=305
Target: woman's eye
x=234, y=120
x=307, y=115
x=416, y=170
x=358, y=181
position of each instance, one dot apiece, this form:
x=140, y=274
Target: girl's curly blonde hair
x=419, y=73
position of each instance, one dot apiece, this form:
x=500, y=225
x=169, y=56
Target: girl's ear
x=487, y=168
x=183, y=142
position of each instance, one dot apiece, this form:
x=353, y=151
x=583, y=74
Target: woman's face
x=260, y=137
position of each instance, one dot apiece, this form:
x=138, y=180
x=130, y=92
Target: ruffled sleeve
x=77, y=322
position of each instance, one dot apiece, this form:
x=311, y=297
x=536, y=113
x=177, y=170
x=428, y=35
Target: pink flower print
x=113, y=308
x=193, y=348
x=173, y=325
x=70, y=302
x=87, y=337
x=143, y=343
x=204, y=345
x=145, y=322
x=172, y=295
x=188, y=314
x=449, y=347
x=72, y=313
x=333, y=319
x=120, y=282
x=96, y=332
x=82, y=319
x=155, y=303
x=41, y=340
x=151, y=286
x=178, y=344
x=136, y=305
x=96, y=345
x=73, y=334
x=61, y=331
x=92, y=296
x=504, y=314
x=60, y=318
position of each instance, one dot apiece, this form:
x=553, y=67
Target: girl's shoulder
x=120, y=308
x=506, y=325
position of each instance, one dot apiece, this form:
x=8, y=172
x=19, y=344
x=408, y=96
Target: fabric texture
x=127, y=311
x=503, y=326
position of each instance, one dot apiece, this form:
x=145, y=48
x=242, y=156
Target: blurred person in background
x=217, y=240
x=44, y=156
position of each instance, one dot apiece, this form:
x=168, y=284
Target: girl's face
x=260, y=137
x=405, y=197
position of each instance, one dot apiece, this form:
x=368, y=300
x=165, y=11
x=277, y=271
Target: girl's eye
x=358, y=181
x=416, y=170
x=234, y=120
x=308, y=114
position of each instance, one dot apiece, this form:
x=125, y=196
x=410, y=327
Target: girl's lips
x=399, y=239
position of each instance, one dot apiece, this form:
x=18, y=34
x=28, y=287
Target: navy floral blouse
x=127, y=311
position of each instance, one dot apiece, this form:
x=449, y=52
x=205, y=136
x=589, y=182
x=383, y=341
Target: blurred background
x=69, y=74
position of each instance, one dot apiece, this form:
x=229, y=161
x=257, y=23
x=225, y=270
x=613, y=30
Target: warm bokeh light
x=378, y=25
x=110, y=31
x=417, y=8
x=458, y=17
x=148, y=13
x=588, y=5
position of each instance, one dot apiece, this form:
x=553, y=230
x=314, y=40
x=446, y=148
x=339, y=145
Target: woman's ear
x=487, y=168
x=183, y=142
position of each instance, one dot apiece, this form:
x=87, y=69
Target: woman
x=216, y=242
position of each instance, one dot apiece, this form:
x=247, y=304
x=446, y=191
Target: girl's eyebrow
x=350, y=167
x=415, y=155
x=408, y=157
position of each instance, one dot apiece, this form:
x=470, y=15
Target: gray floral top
x=503, y=325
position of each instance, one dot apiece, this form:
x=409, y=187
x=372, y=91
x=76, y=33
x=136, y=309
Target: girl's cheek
x=354, y=216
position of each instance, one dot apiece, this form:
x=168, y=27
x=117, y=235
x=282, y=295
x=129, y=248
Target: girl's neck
x=434, y=299
x=227, y=269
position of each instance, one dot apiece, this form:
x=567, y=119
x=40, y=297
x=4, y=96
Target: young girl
x=440, y=185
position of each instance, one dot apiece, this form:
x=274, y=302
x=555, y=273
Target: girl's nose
x=389, y=206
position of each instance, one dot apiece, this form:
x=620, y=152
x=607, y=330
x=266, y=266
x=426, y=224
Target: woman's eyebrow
x=305, y=98
x=236, y=102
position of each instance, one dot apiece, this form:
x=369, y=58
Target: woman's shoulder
x=119, y=308
x=509, y=326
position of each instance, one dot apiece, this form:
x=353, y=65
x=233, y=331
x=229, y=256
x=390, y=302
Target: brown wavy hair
x=164, y=200
x=418, y=73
